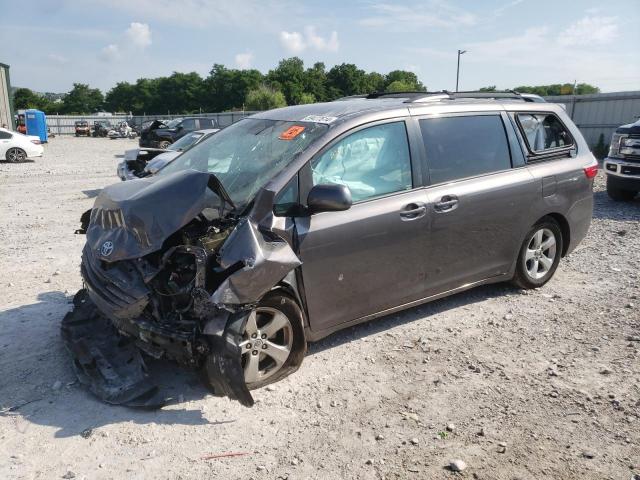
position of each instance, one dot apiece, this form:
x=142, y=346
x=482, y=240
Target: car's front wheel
x=539, y=254
x=16, y=155
x=273, y=342
x=164, y=144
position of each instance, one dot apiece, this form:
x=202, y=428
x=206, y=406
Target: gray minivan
x=300, y=221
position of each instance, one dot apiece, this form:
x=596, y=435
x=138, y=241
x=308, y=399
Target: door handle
x=446, y=204
x=413, y=211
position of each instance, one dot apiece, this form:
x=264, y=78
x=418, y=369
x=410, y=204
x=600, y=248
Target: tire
x=291, y=337
x=536, y=264
x=164, y=144
x=618, y=194
x=15, y=155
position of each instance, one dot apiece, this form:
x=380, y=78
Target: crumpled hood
x=132, y=219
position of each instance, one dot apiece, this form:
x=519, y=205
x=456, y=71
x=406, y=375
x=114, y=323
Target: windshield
x=247, y=154
x=173, y=123
x=185, y=142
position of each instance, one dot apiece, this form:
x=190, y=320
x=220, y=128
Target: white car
x=16, y=147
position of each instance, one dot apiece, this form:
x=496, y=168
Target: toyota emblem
x=107, y=248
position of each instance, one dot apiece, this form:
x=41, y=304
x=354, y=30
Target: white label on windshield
x=319, y=119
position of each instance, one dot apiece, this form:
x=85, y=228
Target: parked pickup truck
x=622, y=165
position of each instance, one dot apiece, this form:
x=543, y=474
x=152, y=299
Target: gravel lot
x=518, y=385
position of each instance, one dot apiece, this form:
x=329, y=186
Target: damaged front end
x=170, y=271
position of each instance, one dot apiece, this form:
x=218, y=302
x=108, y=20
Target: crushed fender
x=170, y=270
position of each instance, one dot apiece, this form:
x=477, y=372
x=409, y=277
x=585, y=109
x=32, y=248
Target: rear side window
x=206, y=123
x=372, y=162
x=543, y=131
x=189, y=124
x=461, y=147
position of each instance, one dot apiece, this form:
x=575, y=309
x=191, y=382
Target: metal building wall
x=6, y=111
x=600, y=113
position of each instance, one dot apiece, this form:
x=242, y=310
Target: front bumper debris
x=112, y=367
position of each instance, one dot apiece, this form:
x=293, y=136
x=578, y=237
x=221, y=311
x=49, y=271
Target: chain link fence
x=65, y=124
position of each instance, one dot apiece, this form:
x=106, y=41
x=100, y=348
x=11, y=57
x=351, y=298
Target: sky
x=52, y=44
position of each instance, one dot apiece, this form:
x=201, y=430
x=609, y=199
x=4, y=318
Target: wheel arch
x=565, y=229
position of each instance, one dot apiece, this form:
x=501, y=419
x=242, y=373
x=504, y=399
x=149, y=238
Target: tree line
x=224, y=89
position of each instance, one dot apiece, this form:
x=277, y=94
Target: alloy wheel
x=266, y=344
x=16, y=155
x=541, y=253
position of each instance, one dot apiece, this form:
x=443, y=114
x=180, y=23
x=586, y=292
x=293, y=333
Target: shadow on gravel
x=33, y=359
x=28, y=160
x=606, y=209
x=373, y=327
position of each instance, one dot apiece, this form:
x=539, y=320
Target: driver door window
x=372, y=162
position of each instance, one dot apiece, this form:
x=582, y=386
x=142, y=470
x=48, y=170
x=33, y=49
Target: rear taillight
x=37, y=142
x=591, y=171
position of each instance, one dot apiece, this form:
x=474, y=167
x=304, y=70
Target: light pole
x=460, y=52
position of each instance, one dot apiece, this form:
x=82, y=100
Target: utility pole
x=460, y=52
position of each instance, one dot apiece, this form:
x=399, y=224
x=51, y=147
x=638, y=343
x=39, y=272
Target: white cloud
x=292, y=42
x=139, y=34
x=243, y=60
x=296, y=42
x=590, y=31
x=110, y=53
x=418, y=16
x=319, y=43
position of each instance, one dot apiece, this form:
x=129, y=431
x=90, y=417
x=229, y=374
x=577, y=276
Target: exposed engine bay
x=170, y=271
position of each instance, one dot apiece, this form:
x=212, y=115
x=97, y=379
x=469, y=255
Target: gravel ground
x=517, y=385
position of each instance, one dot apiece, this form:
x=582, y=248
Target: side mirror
x=329, y=198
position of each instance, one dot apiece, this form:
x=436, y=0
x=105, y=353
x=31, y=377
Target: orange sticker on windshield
x=291, y=132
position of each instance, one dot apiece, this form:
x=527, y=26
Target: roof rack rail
x=498, y=95
x=420, y=97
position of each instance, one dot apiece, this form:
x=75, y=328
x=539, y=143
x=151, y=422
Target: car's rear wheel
x=539, y=254
x=273, y=341
x=16, y=154
x=164, y=144
x=618, y=194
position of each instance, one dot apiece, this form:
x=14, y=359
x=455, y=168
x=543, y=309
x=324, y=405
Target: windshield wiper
x=215, y=184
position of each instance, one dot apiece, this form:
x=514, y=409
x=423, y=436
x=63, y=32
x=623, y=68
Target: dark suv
x=297, y=222
x=160, y=134
x=622, y=165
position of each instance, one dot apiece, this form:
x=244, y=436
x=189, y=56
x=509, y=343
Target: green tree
x=289, y=78
x=180, y=93
x=491, y=88
x=558, y=89
x=315, y=81
x=346, y=79
x=399, y=86
x=601, y=149
x=226, y=89
x=24, y=98
x=409, y=79
x=264, y=98
x=122, y=98
x=376, y=82
x=307, y=98
x=82, y=99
